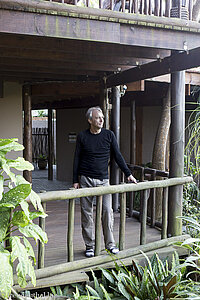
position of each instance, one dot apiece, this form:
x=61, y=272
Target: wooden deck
x=56, y=228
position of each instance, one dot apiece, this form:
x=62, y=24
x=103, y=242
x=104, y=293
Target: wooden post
x=132, y=150
x=130, y=6
x=164, y=213
x=157, y=8
x=153, y=201
x=122, y=221
x=176, y=151
x=41, y=247
x=190, y=8
x=161, y=8
x=98, y=226
x=115, y=126
x=123, y=5
x=167, y=9
x=133, y=134
x=150, y=7
x=70, y=232
x=146, y=7
x=1, y=88
x=141, y=193
x=50, y=145
x=143, y=219
x=27, y=129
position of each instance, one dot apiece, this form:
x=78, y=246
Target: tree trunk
x=160, y=146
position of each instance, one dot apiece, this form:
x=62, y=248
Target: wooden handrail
x=72, y=194
x=111, y=189
x=159, y=8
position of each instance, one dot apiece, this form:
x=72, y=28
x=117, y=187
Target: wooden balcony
x=163, y=8
x=62, y=258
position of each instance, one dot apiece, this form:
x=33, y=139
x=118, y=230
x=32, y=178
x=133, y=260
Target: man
x=92, y=154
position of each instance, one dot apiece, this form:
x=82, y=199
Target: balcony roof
x=48, y=41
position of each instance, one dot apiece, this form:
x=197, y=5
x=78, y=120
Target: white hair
x=90, y=111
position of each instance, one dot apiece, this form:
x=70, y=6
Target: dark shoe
x=89, y=252
x=113, y=250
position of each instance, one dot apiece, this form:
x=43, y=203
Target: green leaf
x=20, y=164
x=4, y=221
x=1, y=186
x=34, y=231
x=36, y=214
x=93, y=291
x=123, y=291
x=25, y=207
x=13, y=197
x=29, y=249
x=7, y=145
x=53, y=290
x=6, y=168
x=6, y=274
x=34, y=198
x=105, y=292
x=24, y=266
x=36, y=201
x=97, y=285
x=108, y=276
x=58, y=290
x=20, y=219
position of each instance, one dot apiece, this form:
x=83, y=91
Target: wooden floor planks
x=56, y=228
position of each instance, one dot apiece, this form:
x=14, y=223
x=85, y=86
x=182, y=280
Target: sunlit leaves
x=14, y=196
x=6, y=274
x=35, y=231
x=24, y=266
x=4, y=222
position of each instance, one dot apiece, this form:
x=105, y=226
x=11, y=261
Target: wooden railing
x=145, y=173
x=72, y=194
x=163, y=8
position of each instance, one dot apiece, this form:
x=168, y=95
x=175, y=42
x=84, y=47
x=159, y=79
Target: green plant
x=154, y=281
x=42, y=157
x=42, y=113
x=15, y=215
x=192, y=149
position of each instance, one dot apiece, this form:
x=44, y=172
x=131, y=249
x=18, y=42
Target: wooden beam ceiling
x=43, y=58
x=173, y=63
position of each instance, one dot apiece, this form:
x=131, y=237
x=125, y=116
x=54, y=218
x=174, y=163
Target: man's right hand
x=76, y=185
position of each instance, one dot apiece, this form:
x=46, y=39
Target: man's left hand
x=131, y=179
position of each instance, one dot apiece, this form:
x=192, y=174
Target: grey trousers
x=87, y=214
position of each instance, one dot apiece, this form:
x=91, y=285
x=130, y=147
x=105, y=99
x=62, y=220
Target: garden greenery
x=16, y=216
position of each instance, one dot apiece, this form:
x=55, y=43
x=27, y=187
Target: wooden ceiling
x=32, y=58
x=66, y=53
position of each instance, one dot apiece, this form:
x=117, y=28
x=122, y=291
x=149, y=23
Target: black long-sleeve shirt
x=93, y=152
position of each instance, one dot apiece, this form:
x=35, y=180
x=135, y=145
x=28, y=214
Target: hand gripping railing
x=72, y=194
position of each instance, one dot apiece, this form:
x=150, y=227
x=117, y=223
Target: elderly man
x=92, y=155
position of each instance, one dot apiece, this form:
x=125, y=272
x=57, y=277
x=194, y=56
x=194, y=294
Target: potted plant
x=42, y=162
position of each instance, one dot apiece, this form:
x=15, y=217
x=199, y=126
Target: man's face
x=97, y=120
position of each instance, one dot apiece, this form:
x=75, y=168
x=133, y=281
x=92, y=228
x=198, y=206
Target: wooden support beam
x=1, y=89
x=27, y=129
x=50, y=144
x=115, y=127
x=175, y=62
x=176, y=151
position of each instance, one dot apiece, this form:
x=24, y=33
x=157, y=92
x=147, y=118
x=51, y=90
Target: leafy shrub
x=157, y=280
x=15, y=215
